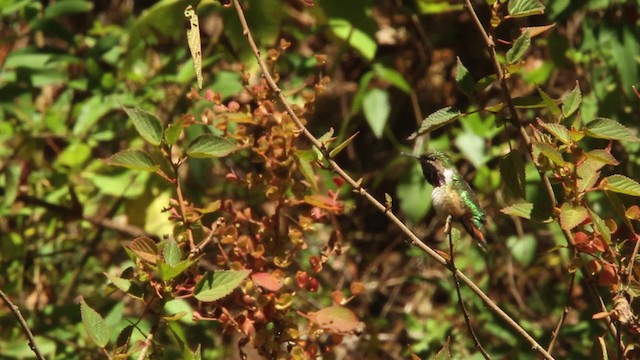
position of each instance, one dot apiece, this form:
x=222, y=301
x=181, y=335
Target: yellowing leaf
x=145, y=249
x=193, y=37
x=620, y=184
x=571, y=217
x=337, y=319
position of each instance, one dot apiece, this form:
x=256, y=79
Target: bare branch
x=23, y=324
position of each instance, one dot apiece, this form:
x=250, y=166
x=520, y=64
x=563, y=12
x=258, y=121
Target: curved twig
x=467, y=317
x=23, y=323
x=358, y=189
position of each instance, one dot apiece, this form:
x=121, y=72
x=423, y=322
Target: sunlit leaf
x=551, y=104
x=519, y=47
x=376, y=108
x=338, y=319
x=267, y=281
x=147, y=125
x=620, y=184
x=335, y=151
x=559, y=131
x=215, y=285
x=603, y=128
x=522, y=210
x=94, y=324
x=193, y=38
x=169, y=272
x=572, y=102
x=173, y=132
x=120, y=283
x=133, y=159
x=521, y=8
x=144, y=248
x=571, y=217
x=171, y=252
x=436, y=120
x=211, y=146
x=549, y=152
x=602, y=155
x=392, y=76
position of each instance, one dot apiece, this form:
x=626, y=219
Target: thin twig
x=183, y=211
x=467, y=317
x=358, y=189
x=556, y=332
x=23, y=323
x=149, y=339
x=515, y=121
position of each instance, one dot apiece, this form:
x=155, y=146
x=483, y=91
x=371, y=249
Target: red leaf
x=267, y=281
x=608, y=275
x=336, y=319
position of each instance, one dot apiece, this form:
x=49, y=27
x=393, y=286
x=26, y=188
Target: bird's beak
x=409, y=155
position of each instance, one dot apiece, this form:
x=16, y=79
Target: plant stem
x=23, y=323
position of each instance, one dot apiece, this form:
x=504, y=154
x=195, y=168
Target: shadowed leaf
x=147, y=124
x=133, y=159
x=436, y=120
x=94, y=324
x=210, y=146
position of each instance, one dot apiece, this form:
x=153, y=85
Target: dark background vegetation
x=67, y=68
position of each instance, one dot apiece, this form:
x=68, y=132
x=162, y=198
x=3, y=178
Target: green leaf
x=523, y=249
x=376, y=110
x=436, y=120
x=392, y=76
x=147, y=125
x=600, y=226
x=171, y=252
x=465, y=82
x=588, y=173
x=513, y=173
x=335, y=151
x=11, y=183
x=603, y=128
x=414, y=194
x=218, y=284
x=521, y=8
x=551, y=104
x=603, y=156
x=60, y=8
x=94, y=325
x=522, y=210
x=305, y=158
x=354, y=36
x=173, y=132
x=133, y=159
x=620, y=184
x=559, y=131
x=571, y=217
x=519, y=47
x=572, y=102
x=549, y=152
x=120, y=283
x=210, y=146
x=169, y=272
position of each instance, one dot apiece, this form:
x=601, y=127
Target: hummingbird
x=452, y=195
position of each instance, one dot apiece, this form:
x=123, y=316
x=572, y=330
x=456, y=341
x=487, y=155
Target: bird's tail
x=476, y=230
